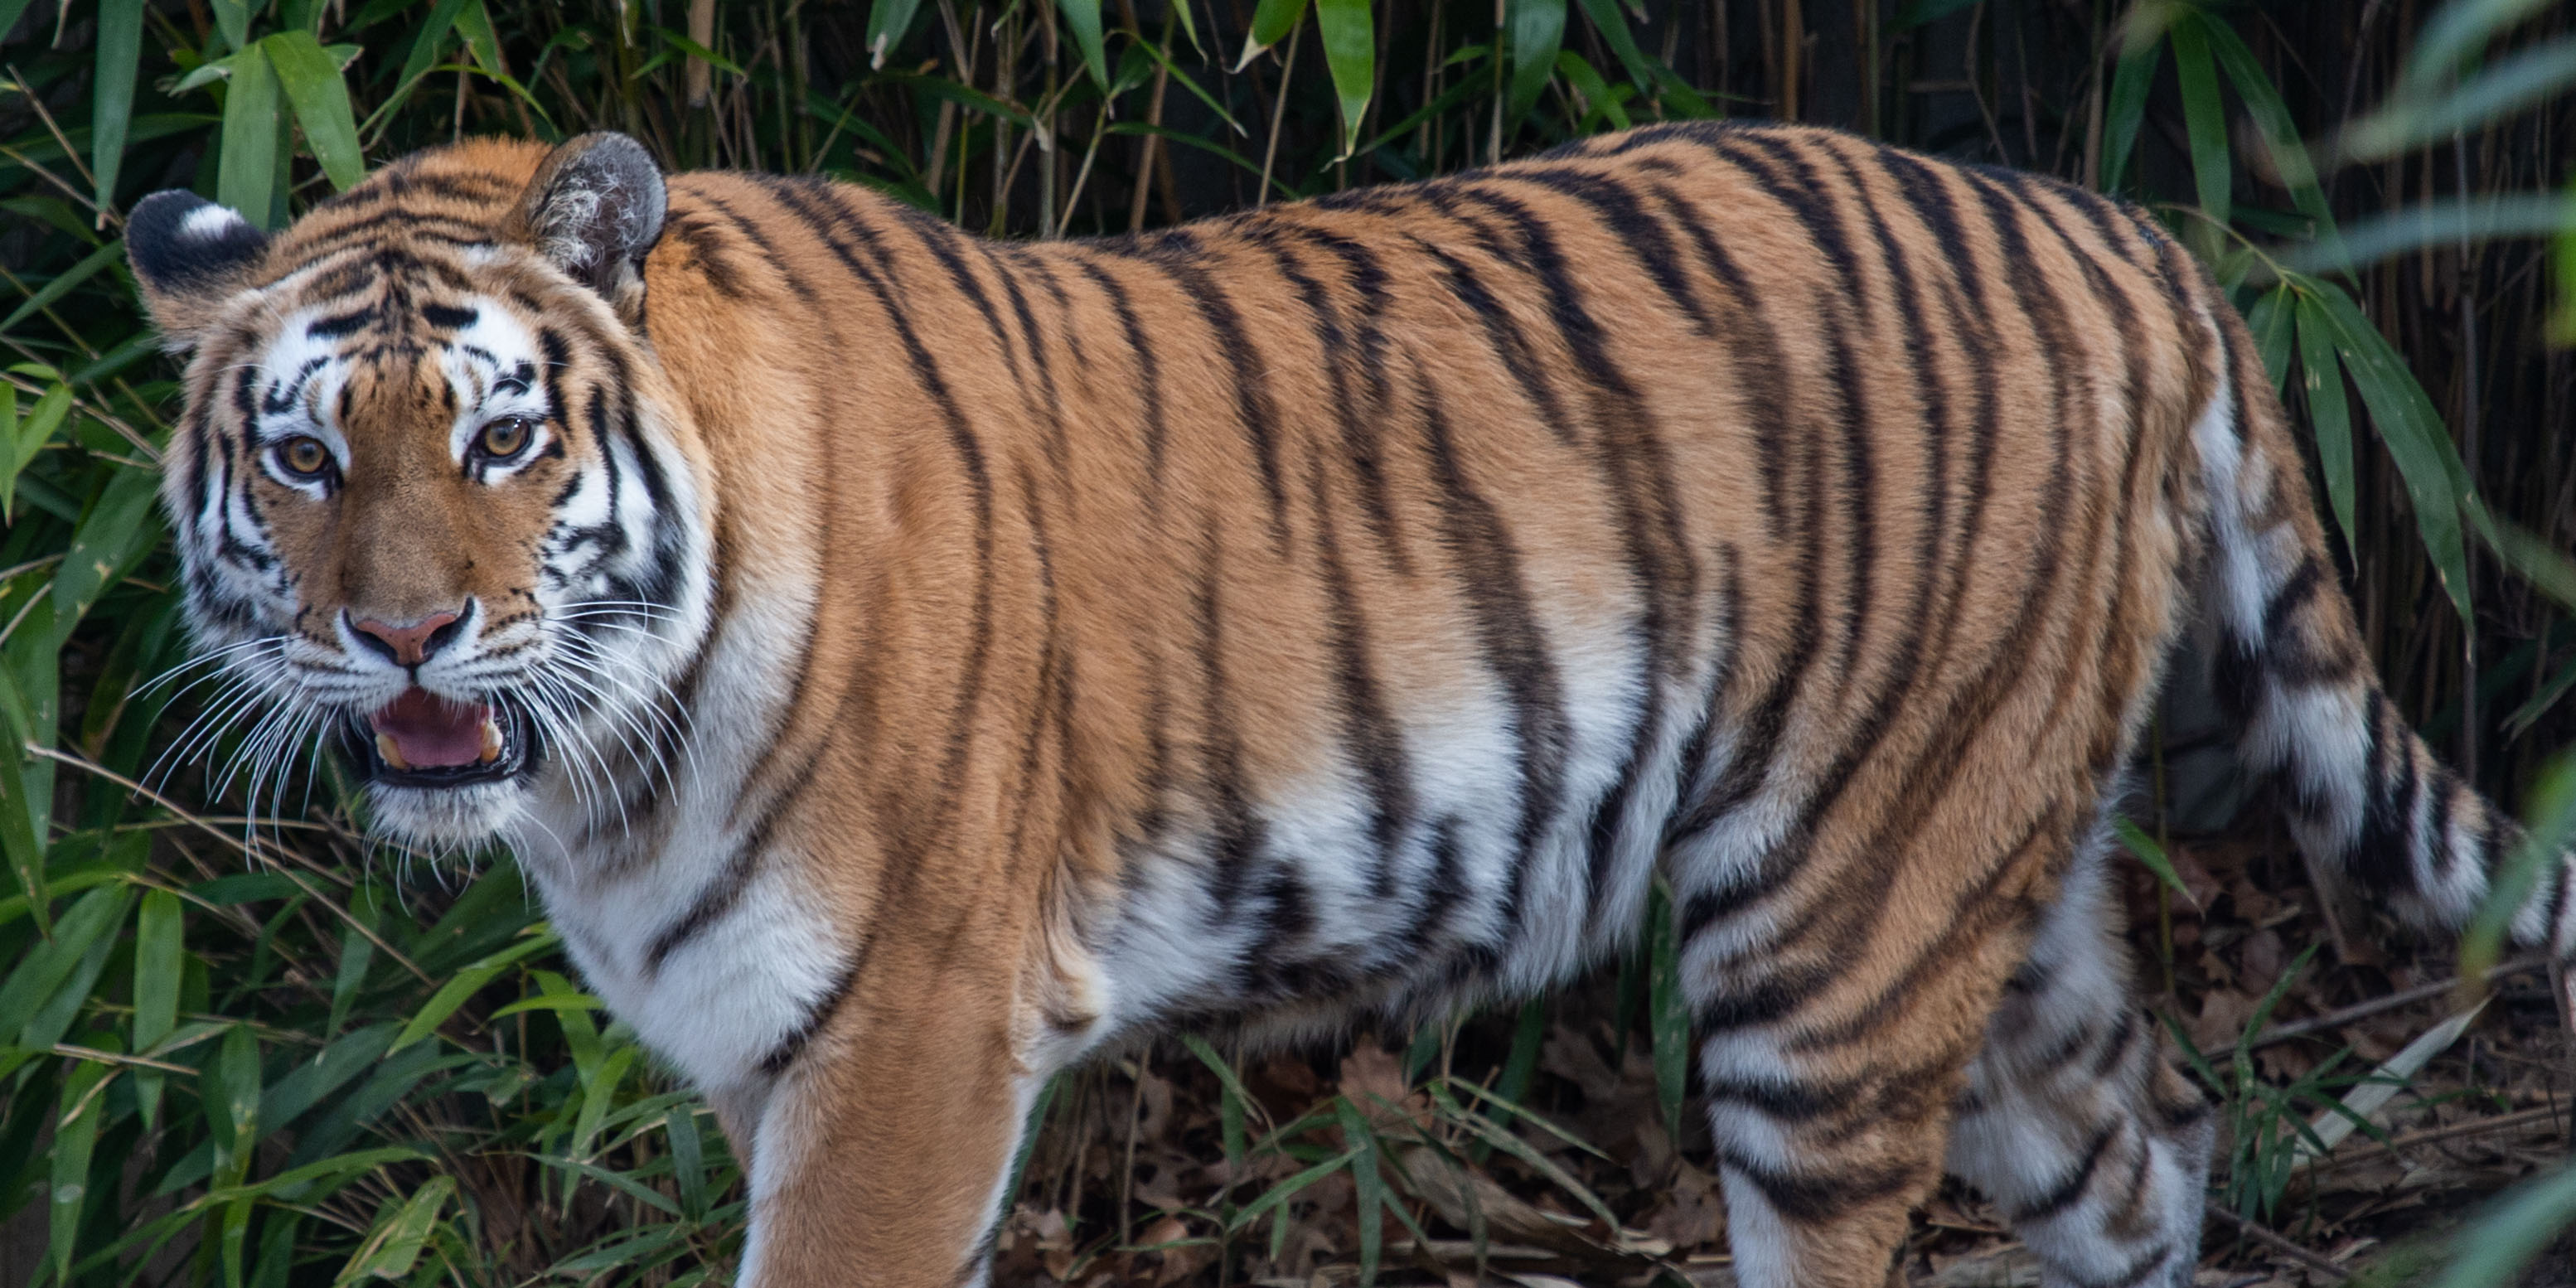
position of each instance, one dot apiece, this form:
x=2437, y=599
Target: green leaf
x=2445, y=222
x=321, y=99
x=2271, y=321
x=2417, y=441
x=1537, y=27
x=159, y=935
x=1084, y=17
x=1613, y=26
x=2126, y=112
x=28, y=997
x=2280, y=132
x=2148, y=852
x=2514, y=1232
x=247, y=177
x=2329, y=414
x=1667, y=1009
x=1272, y=20
x=467, y=983
x=120, y=54
x=1368, y=1186
x=2459, y=30
x=120, y=529
x=400, y=1231
x=1350, y=51
x=688, y=1156
x=232, y=18
x=30, y=435
x=357, y=954
x=230, y=1093
x=2204, y=117
x=75, y=1136
x=432, y=37
x=2515, y=82
x=1231, y=1101
x=1598, y=99
x=888, y=20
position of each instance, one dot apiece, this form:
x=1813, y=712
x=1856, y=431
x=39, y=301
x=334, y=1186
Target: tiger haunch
x=908, y=664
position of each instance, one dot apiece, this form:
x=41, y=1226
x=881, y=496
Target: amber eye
x=506, y=437
x=304, y=456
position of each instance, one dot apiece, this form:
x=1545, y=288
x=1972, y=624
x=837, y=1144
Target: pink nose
x=408, y=645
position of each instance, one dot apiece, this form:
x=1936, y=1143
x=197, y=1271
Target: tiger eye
x=504, y=438
x=303, y=455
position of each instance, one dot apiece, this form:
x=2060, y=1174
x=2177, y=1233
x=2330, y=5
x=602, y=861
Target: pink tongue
x=430, y=732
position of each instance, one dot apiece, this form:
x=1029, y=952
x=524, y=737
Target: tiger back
x=910, y=664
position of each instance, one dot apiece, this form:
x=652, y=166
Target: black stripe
x=816, y=1015
x=827, y=222
x=1366, y=275
x=1149, y=381
x=1632, y=229
x=2069, y=1190
x=1376, y=742
x=1508, y=636
x=1180, y=258
x=1238, y=833
x=1815, y=1197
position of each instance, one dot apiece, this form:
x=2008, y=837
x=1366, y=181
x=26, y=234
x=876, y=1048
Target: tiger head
x=434, y=500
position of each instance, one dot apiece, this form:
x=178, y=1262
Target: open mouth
x=423, y=740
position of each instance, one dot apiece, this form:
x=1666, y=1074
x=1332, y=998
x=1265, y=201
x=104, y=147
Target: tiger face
x=433, y=503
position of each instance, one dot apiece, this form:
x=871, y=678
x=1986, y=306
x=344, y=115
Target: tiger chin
x=909, y=664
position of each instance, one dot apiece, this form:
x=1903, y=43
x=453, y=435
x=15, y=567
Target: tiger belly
x=1503, y=877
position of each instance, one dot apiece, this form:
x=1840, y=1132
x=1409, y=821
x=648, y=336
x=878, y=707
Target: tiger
x=908, y=665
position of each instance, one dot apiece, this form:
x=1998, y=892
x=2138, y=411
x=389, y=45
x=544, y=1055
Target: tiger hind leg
x=2072, y=1121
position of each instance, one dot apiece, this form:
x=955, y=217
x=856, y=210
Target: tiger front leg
x=883, y=1146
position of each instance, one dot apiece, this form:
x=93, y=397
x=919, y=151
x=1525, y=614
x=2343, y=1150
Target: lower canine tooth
x=491, y=741
x=393, y=755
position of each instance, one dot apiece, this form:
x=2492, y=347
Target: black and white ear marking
x=594, y=209
x=190, y=255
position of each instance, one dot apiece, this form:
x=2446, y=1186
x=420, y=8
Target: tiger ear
x=190, y=255
x=594, y=209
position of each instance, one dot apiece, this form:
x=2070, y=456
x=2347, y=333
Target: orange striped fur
x=917, y=662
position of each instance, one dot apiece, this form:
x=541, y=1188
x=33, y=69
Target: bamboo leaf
x=159, y=933
x=888, y=20
x=2514, y=82
x=2280, y=133
x=1084, y=17
x=120, y=55
x=466, y=984
x=1537, y=28
x=1349, y=36
x=1613, y=26
x=232, y=18
x=1368, y=1186
x=246, y=180
x=314, y=86
x=432, y=38
x=30, y=435
x=2272, y=321
x=1272, y=20
x=2417, y=441
x=2126, y=111
x=2204, y=116
x=2329, y=415
x=75, y=1137
x=401, y=1230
